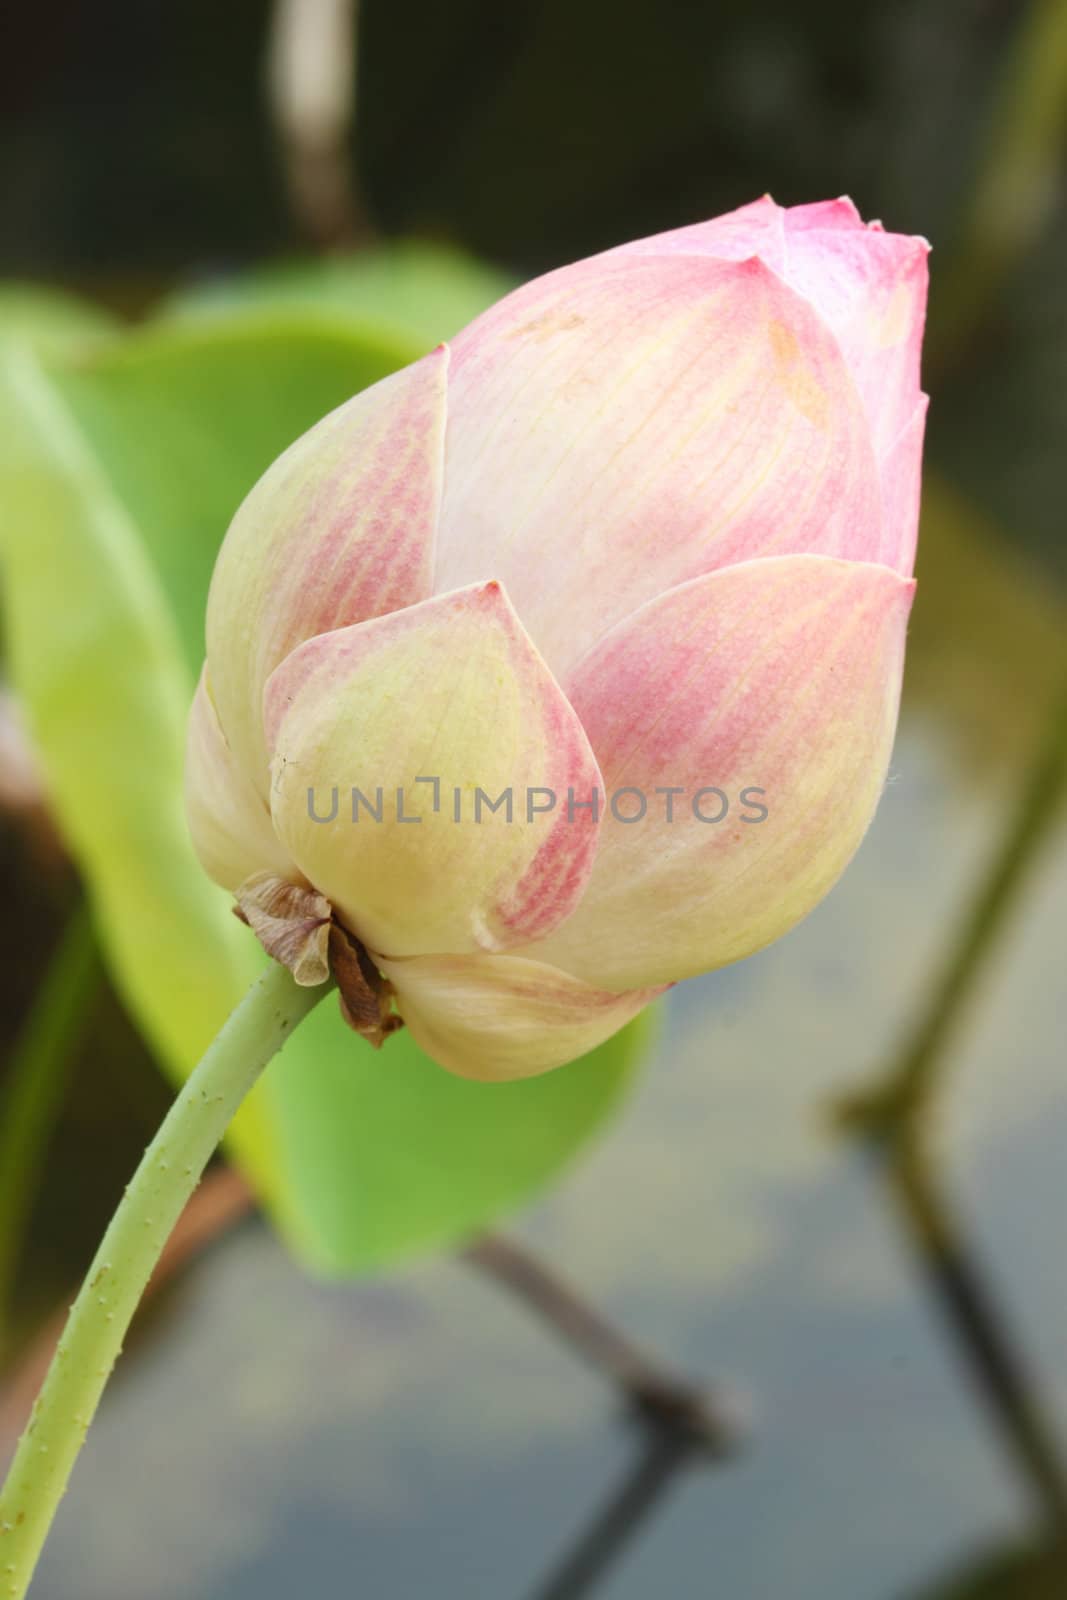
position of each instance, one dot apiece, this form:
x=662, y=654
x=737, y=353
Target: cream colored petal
x=229, y=823
x=498, y=1018
x=436, y=715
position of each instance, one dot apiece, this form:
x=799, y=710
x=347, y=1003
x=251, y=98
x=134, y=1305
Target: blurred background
x=876, y=1286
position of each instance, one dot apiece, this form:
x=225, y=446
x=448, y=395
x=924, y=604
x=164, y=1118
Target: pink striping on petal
x=451, y=687
x=339, y=529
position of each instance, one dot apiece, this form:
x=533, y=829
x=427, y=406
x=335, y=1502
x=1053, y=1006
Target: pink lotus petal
x=902, y=476
x=840, y=213
x=617, y=430
x=871, y=288
x=450, y=689
x=868, y=285
x=781, y=676
x=757, y=229
x=498, y=1018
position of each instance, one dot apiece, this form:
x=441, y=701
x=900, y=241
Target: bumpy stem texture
x=153, y=1202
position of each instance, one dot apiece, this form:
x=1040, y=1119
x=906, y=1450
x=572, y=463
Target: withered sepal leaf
x=291, y=923
x=366, y=997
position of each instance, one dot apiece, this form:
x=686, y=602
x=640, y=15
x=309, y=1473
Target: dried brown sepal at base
x=366, y=997
x=292, y=924
x=295, y=924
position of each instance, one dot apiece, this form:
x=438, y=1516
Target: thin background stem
x=892, y=1119
x=907, y=1087
x=974, y=1317
x=1015, y=184
x=311, y=88
x=625, y=1513
x=659, y=1396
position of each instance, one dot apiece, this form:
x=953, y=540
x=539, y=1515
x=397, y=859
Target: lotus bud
x=564, y=664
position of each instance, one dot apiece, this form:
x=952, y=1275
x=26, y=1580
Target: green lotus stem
x=36, y=1078
x=153, y=1202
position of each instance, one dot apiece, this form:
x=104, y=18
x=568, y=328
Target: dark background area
x=135, y=136
x=136, y=149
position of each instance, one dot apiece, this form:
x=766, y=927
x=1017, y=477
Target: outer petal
x=501, y=1017
x=450, y=690
x=757, y=229
x=902, y=482
x=339, y=529
x=840, y=214
x=781, y=676
x=761, y=228
x=701, y=399
x=229, y=823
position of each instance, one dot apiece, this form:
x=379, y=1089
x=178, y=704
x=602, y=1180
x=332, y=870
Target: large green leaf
x=185, y=418
x=51, y=319
x=93, y=649
x=414, y=289
x=118, y=473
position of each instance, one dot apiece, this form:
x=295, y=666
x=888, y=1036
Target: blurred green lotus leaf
x=121, y=463
x=51, y=319
x=414, y=289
